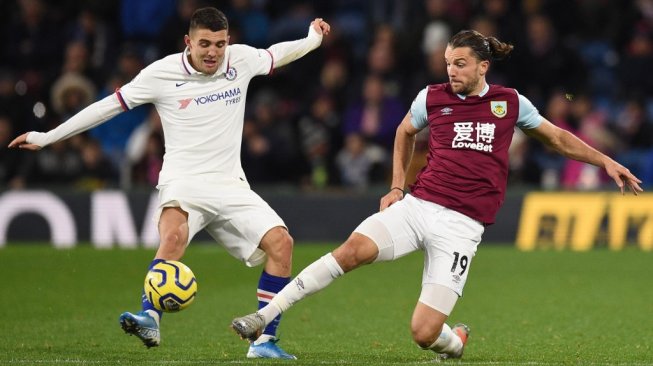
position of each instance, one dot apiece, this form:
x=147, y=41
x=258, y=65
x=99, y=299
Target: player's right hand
x=21, y=143
x=391, y=197
x=320, y=26
x=623, y=177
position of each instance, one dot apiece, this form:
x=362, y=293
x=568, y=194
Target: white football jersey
x=202, y=115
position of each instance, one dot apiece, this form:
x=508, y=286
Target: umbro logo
x=180, y=84
x=300, y=284
x=446, y=111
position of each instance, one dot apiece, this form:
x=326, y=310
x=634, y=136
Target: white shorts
x=448, y=238
x=233, y=214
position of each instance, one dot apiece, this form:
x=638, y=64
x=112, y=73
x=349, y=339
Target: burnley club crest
x=499, y=108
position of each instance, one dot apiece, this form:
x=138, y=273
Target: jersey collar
x=486, y=89
x=190, y=70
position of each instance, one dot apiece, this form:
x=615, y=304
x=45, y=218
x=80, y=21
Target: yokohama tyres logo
x=211, y=98
x=183, y=103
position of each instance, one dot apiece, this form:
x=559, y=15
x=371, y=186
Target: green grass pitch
x=61, y=307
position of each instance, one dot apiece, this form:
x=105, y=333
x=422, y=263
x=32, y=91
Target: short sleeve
x=418, y=116
x=528, y=117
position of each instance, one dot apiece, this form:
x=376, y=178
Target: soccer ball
x=170, y=286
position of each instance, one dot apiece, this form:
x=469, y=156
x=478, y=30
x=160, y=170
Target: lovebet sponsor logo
x=476, y=136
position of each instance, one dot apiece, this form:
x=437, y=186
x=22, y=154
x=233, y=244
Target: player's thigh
x=243, y=221
x=396, y=231
x=438, y=297
x=449, y=248
x=173, y=222
x=181, y=203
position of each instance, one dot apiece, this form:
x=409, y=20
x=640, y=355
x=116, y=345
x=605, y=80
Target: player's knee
x=172, y=242
x=170, y=238
x=285, y=245
x=423, y=335
x=355, y=252
x=281, y=245
x=346, y=257
x=425, y=331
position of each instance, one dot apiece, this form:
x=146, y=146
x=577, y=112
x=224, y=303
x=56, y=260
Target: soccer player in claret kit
x=200, y=96
x=455, y=195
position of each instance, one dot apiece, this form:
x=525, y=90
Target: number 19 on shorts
x=459, y=261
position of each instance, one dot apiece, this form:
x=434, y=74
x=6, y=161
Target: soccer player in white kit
x=200, y=96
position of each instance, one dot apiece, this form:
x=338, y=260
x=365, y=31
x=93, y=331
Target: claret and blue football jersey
x=467, y=164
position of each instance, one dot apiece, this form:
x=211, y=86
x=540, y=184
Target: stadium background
x=321, y=129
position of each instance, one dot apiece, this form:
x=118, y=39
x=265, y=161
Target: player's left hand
x=391, y=197
x=623, y=177
x=320, y=26
x=21, y=143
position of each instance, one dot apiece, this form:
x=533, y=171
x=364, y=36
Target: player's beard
x=468, y=88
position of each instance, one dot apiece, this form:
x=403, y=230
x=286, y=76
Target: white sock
x=312, y=279
x=263, y=338
x=448, y=342
x=154, y=315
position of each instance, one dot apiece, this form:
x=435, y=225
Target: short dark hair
x=485, y=48
x=208, y=18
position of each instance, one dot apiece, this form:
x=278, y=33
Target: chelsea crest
x=231, y=73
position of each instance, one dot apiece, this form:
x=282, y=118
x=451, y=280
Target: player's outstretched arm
x=570, y=146
x=286, y=52
x=87, y=118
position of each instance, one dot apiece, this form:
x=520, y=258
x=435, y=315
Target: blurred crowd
x=327, y=120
